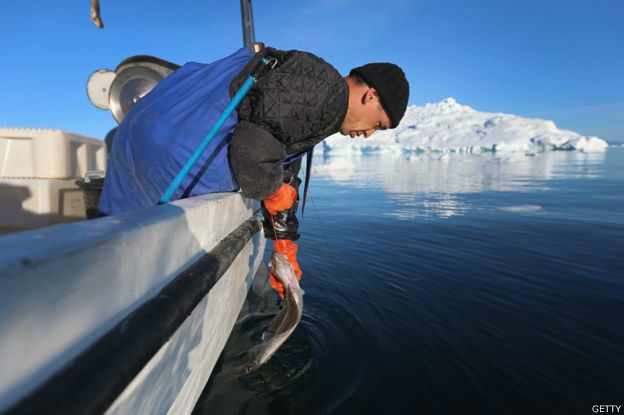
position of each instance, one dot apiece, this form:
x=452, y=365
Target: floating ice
x=521, y=208
x=448, y=126
x=339, y=168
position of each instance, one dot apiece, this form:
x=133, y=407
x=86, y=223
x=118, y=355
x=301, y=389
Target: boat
x=123, y=314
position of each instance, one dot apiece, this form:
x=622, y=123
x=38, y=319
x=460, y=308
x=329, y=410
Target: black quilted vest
x=301, y=101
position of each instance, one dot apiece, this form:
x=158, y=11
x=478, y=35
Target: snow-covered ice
x=448, y=126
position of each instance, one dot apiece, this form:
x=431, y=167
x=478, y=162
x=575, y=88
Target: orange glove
x=289, y=249
x=282, y=199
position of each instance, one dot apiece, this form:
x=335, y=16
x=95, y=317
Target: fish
x=95, y=14
x=285, y=322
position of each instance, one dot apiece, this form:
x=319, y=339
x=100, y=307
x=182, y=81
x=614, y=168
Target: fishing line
x=327, y=244
x=318, y=218
x=322, y=228
x=275, y=233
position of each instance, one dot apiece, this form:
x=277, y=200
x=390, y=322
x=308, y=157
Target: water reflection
x=436, y=205
x=435, y=185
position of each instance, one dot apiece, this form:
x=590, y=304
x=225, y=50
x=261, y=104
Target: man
x=294, y=105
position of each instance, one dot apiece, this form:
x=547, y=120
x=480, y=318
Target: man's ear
x=372, y=94
x=366, y=95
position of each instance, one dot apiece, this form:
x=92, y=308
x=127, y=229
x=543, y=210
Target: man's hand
x=289, y=249
x=282, y=199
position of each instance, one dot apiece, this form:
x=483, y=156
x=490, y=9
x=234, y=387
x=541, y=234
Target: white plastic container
x=39, y=169
x=48, y=154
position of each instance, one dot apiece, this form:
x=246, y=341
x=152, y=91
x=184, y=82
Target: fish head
x=281, y=269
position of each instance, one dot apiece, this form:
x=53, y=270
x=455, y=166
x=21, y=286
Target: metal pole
x=249, y=37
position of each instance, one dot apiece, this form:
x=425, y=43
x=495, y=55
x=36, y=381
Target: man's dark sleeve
x=256, y=159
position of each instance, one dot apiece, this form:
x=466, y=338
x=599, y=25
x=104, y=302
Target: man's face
x=365, y=114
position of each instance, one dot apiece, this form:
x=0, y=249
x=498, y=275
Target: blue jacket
x=163, y=129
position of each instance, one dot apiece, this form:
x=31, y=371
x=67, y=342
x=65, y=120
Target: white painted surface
x=174, y=379
x=64, y=286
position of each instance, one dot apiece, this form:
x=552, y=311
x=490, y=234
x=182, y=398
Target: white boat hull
x=64, y=288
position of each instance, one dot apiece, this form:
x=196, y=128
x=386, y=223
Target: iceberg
x=449, y=127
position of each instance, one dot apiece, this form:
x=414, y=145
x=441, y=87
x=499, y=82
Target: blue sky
x=555, y=59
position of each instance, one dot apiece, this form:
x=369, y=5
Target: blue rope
x=291, y=158
x=240, y=94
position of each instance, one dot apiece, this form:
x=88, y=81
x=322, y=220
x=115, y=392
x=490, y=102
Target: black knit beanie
x=390, y=82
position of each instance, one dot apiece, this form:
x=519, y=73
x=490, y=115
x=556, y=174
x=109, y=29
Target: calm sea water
x=474, y=283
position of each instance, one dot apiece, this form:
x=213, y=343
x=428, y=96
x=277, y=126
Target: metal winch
x=133, y=78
